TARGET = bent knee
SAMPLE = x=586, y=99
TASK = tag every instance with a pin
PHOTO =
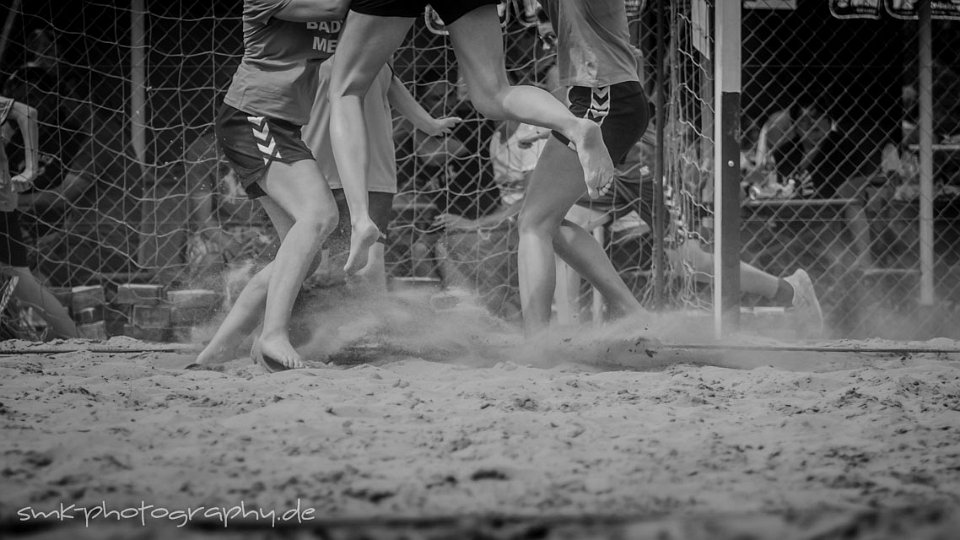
x=538, y=223
x=320, y=223
x=488, y=99
x=327, y=222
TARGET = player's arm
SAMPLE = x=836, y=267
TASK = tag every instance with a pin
x=73, y=185
x=817, y=135
x=403, y=101
x=503, y=213
x=76, y=181
x=313, y=10
x=771, y=136
x=26, y=119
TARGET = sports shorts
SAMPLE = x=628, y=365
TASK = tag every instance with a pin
x=621, y=109
x=448, y=10
x=251, y=143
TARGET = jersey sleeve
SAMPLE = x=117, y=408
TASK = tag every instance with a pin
x=261, y=11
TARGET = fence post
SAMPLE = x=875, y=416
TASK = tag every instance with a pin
x=7, y=27
x=138, y=80
x=926, y=153
x=726, y=169
x=658, y=206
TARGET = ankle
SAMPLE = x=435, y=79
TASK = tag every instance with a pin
x=273, y=336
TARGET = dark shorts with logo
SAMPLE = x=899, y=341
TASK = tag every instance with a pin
x=448, y=10
x=621, y=109
x=251, y=143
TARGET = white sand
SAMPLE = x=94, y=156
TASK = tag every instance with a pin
x=539, y=434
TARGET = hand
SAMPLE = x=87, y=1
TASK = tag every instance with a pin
x=537, y=134
x=454, y=222
x=442, y=126
x=527, y=142
x=23, y=181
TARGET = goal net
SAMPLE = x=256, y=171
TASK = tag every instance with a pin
x=134, y=189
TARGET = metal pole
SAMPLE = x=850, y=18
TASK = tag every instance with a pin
x=726, y=169
x=138, y=79
x=926, y=155
x=658, y=206
x=7, y=27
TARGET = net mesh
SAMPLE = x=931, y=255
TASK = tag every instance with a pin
x=114, y=207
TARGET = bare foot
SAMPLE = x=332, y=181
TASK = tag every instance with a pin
x=275, y=355
x=598, y=168
x=216, y=354
x=364, y=234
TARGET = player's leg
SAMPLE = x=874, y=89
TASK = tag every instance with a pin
x=581, y=251
x=857, y=220
x=795, y=291
x=31, y=292
x=555, y=185
x=373, y=276
x=365, y=45
x=299, y=190
x=478, y=43
x=752, y=279
x=247, y=310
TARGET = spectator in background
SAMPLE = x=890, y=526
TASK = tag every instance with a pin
x=214, y=198
x=374, y=30
x=456, y=176
x=84, y=209
x=60, y=138
x=387, y=93
x=13, y=253
x=807, y=148
x=633, y=188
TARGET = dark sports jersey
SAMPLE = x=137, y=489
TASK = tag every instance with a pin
x=593, y=42
x=277, y=77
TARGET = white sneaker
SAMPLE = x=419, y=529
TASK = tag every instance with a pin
x=806, y=307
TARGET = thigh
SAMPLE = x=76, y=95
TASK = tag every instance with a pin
x=251, y=144
x=366, y=43
x=478, y=43
x=299, y=190
x=281, y=220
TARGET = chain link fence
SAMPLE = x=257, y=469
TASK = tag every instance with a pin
x=164, y=208
x=830, y=138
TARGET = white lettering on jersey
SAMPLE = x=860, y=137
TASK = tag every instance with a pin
x=325, y=45
x=330, y=27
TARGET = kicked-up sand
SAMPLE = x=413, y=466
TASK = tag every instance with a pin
x=443, y=424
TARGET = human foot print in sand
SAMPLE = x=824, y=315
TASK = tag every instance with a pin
x=598, y=168
x=364, y=234
x=275, y=355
